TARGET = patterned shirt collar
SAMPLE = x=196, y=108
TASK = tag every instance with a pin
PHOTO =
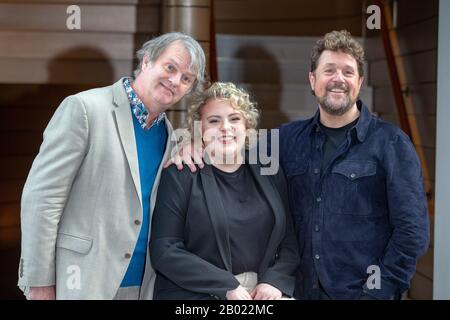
x=138, y=108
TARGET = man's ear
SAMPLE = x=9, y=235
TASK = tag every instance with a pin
x=145, y=62
x=361, y=81
x=312, y=80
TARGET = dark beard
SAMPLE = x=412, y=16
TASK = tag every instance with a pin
x=334, y=110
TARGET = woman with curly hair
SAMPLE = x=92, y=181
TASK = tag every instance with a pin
x=223, y=232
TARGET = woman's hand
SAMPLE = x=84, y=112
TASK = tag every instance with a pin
x=238, y=294
x=265, y=291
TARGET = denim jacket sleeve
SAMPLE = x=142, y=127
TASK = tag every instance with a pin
x=408, y=217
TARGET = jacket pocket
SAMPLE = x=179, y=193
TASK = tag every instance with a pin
x=74, y=243
x=353, y=169
x=355, y=186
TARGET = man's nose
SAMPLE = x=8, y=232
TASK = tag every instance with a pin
x=338, y=76
x=175, y=79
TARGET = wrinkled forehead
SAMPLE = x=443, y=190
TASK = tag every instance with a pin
x=177, y=53
x=337, y=58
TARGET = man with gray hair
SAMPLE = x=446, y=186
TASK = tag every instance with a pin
x=89, y=196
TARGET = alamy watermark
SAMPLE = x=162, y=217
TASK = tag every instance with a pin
x=374, y=20
x=73, y=21
x=73, y=281
x=374, y=280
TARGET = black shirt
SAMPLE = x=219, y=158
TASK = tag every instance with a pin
x=250, y=218
x=335, y=137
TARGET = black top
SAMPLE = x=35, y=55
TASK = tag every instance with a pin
x=335, y=137
x=250, y=218
x=190, y=242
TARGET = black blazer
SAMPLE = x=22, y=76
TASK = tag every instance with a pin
x=189, y=244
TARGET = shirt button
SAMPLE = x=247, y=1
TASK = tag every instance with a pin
x=316, y=171
x=319, y=199
x=317, y=257
x=316, y=228
x=137, y=222
x=127, y=256
x=353, y=176
x=317, y=147
x=315, y=285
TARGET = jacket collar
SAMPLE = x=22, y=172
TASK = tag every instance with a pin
x=361, y=127
x=124, y=122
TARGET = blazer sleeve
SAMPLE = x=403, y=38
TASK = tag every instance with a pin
x=281, y=274
x=47, y=188
x=169, y=254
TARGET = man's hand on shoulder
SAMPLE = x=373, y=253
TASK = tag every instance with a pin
x=189, y=155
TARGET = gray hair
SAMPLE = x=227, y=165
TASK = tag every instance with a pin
x=156, y=46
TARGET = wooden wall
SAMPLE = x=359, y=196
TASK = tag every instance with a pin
x=288, y=17
x=417, y=36
x=41, y=62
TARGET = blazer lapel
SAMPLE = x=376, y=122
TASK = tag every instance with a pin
x=126, y=132
x=217, y=214
x=167, y=154
x=273, y=198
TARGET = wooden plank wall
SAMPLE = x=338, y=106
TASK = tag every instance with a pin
x=41, y=62
x=287, y=17
x=417, y=35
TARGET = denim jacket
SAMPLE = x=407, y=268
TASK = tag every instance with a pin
x=363, y=223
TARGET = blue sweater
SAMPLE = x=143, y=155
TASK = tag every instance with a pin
x=150, y=149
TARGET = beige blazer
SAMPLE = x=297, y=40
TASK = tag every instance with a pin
x=81, y=204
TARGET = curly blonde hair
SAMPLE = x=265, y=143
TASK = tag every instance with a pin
x=225, y=91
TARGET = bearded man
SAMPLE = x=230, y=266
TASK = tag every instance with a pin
x=355, y=187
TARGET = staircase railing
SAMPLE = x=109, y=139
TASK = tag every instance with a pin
x=403, y=101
